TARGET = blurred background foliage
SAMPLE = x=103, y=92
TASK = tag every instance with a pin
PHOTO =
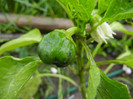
x=41, y=8
x=33, y=7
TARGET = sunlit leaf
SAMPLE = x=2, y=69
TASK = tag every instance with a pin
x=128, y=60
x=119, y=9
x=117, y=26
x=94, y=81
x=103, y=5
x=14, y=73
x=110, y=89
x=78, y=9
x=30, y=88
x=34, y=36
x=101, y=85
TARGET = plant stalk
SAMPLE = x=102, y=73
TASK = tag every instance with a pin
x=82, y=84
x=60, y=95
x=81, y=73
x=71, y=31
x=96, y=49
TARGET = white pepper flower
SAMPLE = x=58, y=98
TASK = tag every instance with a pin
x=102, y=33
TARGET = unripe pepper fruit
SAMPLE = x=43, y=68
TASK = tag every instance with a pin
x=56, y=48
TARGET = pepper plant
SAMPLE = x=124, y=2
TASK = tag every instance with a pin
x=63, y=47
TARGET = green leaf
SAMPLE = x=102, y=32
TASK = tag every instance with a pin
x=119, y=9
x=30, y=88
x=94, y=81
x=101, y=84
x=117, y=26
x=14, y=73
x=94, y=74
x=88, y=5
x=103, y=5
x=110, y=89
x=78, y=9
x=128, y=60
x=101, y=87
x=34, y=36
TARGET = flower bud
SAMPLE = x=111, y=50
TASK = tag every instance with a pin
x=127, y=69
x=54, y=70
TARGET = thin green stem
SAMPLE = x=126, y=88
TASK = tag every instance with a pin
x=60, y=95
x=96, y=49
x=81, y=72
x=71, y=31
x=93, y=54
x=82, y=84
x=68, y=85
x=109, y=68
x=119, y=57
x=90, y=40
x=89, y=56
x=59, y=76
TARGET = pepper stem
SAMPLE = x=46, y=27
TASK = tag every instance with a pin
x=71, y=31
